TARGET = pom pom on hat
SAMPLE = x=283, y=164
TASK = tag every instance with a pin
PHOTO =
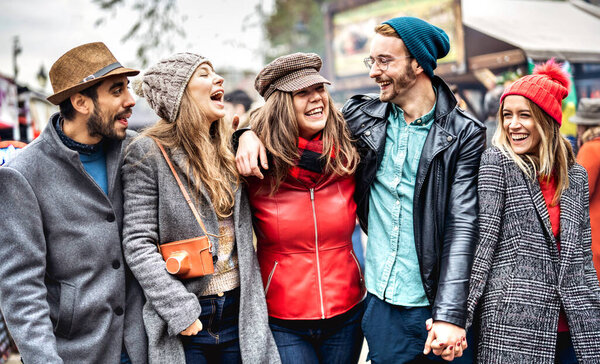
x=547, y=86
x=554, y=71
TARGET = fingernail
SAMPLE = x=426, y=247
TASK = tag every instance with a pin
x=451, y=347
x=464, y=339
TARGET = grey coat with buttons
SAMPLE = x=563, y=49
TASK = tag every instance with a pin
x=157, y=212
x=65, y=291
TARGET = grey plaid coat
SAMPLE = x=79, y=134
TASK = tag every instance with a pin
x=519, y=280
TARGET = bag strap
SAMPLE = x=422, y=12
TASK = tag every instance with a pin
x=185, y=194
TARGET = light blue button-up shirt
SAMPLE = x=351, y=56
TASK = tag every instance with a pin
x=391, y=265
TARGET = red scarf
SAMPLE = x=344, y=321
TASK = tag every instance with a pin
x=309, y=168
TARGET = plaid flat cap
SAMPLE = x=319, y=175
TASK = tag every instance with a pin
x=289, y=73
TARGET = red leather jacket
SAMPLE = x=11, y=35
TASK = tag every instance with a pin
x=304, y=235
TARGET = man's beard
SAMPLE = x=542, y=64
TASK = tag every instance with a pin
x=99, y=125
x=399, y=84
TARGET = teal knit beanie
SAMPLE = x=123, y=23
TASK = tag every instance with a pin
x=426, y=42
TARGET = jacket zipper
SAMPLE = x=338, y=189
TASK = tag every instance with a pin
x=270, y=277
x=357, y=265
x=312, y=201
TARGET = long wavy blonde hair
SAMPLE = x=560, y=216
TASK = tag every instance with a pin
x=553, y=154
x=276, y=125
x=207, y=148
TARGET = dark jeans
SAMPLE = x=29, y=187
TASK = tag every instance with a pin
x=397, y=334
x=565, y=353
x=218, y=342
x=330, y=341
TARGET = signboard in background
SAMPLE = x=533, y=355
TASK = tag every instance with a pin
x=353, y=28
x=9, y=104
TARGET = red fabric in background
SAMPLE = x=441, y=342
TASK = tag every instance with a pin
x=548, y=190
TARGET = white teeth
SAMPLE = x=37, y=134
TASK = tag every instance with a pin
x=217, y=95
x=318, y=110
x=385, y=83
x=519, y=136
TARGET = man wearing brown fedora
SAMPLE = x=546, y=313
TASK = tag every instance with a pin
x=65, y=291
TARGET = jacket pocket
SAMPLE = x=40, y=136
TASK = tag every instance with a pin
x=360, y=274
x=270, y=277
x=61, y=299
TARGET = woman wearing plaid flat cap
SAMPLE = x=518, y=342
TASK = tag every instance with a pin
x=534, y=296
x=304, y=215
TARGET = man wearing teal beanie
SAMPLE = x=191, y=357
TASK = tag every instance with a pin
x=416, y=195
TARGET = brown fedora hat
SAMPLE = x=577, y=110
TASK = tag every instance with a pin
x=83, y=67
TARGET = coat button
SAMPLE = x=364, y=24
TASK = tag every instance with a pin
x=449, y=138
x=362, y=125
x=119, y=311
x=368, y=133
x=110, y=217
x=116, y=264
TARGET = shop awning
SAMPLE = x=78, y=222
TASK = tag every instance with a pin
x=542, y=29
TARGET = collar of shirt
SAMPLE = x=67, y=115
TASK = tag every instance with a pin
x=397, y=115
x=87, y=149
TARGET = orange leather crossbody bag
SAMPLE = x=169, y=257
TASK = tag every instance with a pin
x=189, y=258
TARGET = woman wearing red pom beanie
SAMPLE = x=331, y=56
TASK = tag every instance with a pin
x=534, y=295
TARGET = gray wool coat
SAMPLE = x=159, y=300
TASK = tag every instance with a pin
x=520, y=280
x=156, y=211
x=65, y=291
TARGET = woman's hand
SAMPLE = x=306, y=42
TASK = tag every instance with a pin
x=193, y=329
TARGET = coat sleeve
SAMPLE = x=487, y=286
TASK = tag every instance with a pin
x=460, y=234
x=22, y=270
x=491, y=190
x=168, y=296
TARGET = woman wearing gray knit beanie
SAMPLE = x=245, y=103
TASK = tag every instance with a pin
x=219, y=317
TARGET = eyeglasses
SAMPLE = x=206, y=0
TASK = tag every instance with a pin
x=382, y=62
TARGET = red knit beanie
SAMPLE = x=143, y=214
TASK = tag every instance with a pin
x=547, y=86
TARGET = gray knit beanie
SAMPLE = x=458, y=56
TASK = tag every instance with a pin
x=164, y=83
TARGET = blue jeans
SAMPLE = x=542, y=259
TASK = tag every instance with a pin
x=337, y=340
x=565, y=353
x=397, y=334
x=218, y=342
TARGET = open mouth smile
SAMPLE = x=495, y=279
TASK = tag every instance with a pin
x=315, y=113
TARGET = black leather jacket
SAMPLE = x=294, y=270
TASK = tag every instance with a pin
x=445, y=200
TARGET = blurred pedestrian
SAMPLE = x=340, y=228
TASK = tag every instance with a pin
x=215, y=318
x=238, y=103
x=587, y=119
x=65, y=292
x=534, y=295
x=312, y=278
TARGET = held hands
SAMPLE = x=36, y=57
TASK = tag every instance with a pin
x=250, y=149
x=445, y=339
x=193, y=329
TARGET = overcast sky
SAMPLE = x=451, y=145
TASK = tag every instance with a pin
x=48, y=28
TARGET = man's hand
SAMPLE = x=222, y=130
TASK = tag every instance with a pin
x=193, y=329
x=250, y=149
x=445, y=339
